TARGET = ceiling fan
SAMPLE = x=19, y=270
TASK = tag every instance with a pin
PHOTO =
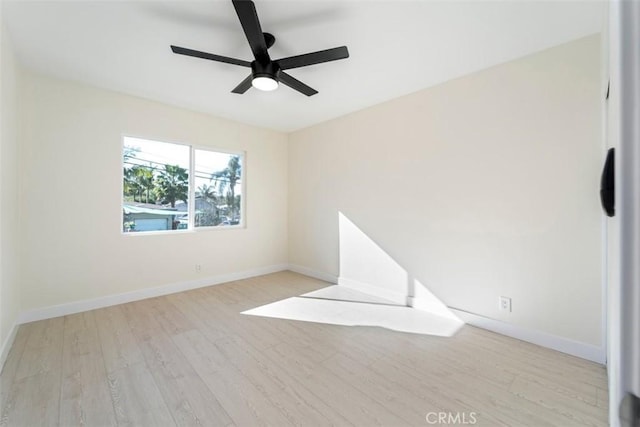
x=265, y=72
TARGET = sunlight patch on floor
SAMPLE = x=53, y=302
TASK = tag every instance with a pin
x=337, y=305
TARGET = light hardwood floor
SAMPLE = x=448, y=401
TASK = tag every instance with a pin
x=192, y=359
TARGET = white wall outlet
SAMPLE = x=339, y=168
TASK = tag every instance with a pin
x=198, y=268
x=505, y=304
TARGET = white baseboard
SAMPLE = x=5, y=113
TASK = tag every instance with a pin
x=313, y=273
x=564, y=345
x=109, y=300
x=397, y=297
x=6, y=345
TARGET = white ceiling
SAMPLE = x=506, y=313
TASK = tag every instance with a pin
x=396, y=47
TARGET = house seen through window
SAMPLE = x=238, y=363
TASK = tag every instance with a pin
x=170, y=186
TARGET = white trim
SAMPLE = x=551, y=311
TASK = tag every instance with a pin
x=565, y=345
x=614, y=125
x=605, y=92
x=313, y=273
x=397, y=297
x=191, y=192
x=6, y=346
x=626, y=348
x=109, y=300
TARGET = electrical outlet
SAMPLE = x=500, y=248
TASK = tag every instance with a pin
x=198, y=268
x=505, y=304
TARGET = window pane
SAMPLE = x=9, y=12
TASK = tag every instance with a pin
x=155, y=186
x=218, y=192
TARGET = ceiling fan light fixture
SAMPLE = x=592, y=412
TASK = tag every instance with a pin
x=264, y=83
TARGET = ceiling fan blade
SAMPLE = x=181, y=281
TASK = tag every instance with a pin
x=296, y=84
x=313, y=58
x=211, y=56
x=248, y=16
x=243, y=86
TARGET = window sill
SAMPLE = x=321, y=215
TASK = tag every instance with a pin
x=190, y=231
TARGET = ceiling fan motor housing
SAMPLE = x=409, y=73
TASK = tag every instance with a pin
x=270, y=70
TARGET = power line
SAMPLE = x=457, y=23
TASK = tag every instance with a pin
x=197, y=174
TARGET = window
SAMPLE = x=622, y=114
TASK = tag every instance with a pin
x=178, y=187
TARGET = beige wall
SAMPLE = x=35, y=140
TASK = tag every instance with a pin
x=9, y=219
x=480, y=187
x=71, y=186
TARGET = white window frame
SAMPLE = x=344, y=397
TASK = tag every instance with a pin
x=191, y=228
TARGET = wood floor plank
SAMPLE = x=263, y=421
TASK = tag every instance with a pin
x=560, y=375
x=602, y=397
x=571, y=409
x=386, y=392
x=538, y=359
x=43, y=350
x=487, y=404
x=172, y=320
x=11, y=366
x=188, y=398
x=246, y=405
x=34, y=395
x=119, y=346
x=85, y=388
x=136, y=398
x=292, y=399
x=335, y=391
x=205, y=320
x=34, y=401
x=141, y=319
x=235, y=324
x=412, y=350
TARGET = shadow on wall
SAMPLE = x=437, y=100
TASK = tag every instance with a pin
x=373, y=290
